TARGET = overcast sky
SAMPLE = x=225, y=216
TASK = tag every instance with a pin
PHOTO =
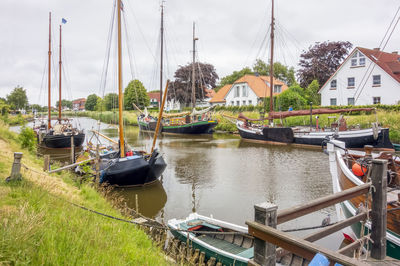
x=230, y=36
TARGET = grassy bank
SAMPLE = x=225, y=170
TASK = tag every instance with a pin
x=39, y=226
x=110, y=117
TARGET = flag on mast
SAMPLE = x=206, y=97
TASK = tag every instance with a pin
x=63, y=20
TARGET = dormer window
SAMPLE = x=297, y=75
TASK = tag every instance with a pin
x=358, y=59
x=333, y=84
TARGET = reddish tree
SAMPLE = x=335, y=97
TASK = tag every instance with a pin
x=181, y=88
x=321, y=61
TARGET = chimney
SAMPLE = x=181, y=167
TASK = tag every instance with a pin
x=395, y=52
x=377, y=49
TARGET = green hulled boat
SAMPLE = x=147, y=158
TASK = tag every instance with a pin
x=233, y=248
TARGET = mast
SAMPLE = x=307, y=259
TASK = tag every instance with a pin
x=161, y=54
x=271, y=71
x=120, y=120
x=59, y=83
x=49, y=79
x=193, y=68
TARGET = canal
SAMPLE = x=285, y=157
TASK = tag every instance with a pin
x=223, y=176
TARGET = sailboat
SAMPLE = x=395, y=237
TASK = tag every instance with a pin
x=308, y=135
x=195, y=122
x=62, y=133
x=130, y=168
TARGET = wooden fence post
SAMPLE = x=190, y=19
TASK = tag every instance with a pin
x=379, y=208
x=72, y=149
x=264, y=252
x=46, y=162
x=16, y=167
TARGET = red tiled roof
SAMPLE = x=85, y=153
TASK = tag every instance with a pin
x=220, y=95
x=154, y=95
x=259, y=84
x=80, y=100
x=389, y=62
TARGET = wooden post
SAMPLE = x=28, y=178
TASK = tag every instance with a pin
x=97, y=163
x=46, y=165
x=72, y=150
x=379, y=209
x=265, y=214
x=16, y=167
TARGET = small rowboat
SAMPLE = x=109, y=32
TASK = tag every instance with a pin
x=230, y=244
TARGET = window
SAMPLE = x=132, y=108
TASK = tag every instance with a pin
x=376, y=80
x=350, y=101
x=351, y=82
x=232, y=103
x=333, y=101
x=358, y=59
x=237, y=91
x=244, y=102
x=333, y=84
x=376, y=100
x=277, y=88
x=238, y=103
x=250, y=103
x=245, y=92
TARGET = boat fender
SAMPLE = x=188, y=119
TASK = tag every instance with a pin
x=358, y=170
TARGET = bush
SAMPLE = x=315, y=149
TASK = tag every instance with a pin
x=27, y=138
x=290, y=98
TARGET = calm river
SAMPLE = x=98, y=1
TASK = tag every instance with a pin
x=223, y=176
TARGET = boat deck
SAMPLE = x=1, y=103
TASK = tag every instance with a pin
x=224, y=245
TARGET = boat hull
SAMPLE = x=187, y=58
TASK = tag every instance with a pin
x=201, y=127
x=226, y=258
x=343, y=178
x=352, y=138
x=62, y=141
x=132, y=171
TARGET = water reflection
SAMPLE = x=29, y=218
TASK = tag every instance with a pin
x=148, y=200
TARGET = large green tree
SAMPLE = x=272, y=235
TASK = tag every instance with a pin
x=136, y=93
x=111, y=101
x=65, y=103
x=312, y=93
x=17, y=98
x=91, y=102
x=281, y=72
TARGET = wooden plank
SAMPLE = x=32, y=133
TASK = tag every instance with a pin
x=296, y=245
x=320, y=203
x=71, y=165
x=327, y=231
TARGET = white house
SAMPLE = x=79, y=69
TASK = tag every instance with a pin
x=248, y=90
x=365, y=77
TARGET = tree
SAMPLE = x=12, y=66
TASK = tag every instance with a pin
x=100, y=105
x=290, y=98
x=321, y=61
x=181, y=88
x=65, y=103
x=91, y=101
x=281, y=72
x=4, y=107
x=233, y=77
x=38, y=108
x=136, y=93
x=17, y=98
x=312, y=93
x=111, y=101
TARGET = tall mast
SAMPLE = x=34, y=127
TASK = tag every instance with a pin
x=193, y=68
x=59, y=82
x=271, y=64
x=120, y=120
x=161, y=54
x=49, y=79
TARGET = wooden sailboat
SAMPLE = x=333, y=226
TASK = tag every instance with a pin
x=130, y=168
x=354, y=138
x=195, y=122
x=345, y=175
x=60, y=134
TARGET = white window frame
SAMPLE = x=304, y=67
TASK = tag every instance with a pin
x=333, y=87
x=348, y=82
x=250, y=102
x=378, y=98
x=334, y=100
x=348, y=101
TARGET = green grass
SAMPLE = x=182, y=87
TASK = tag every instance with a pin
x=39, y=226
